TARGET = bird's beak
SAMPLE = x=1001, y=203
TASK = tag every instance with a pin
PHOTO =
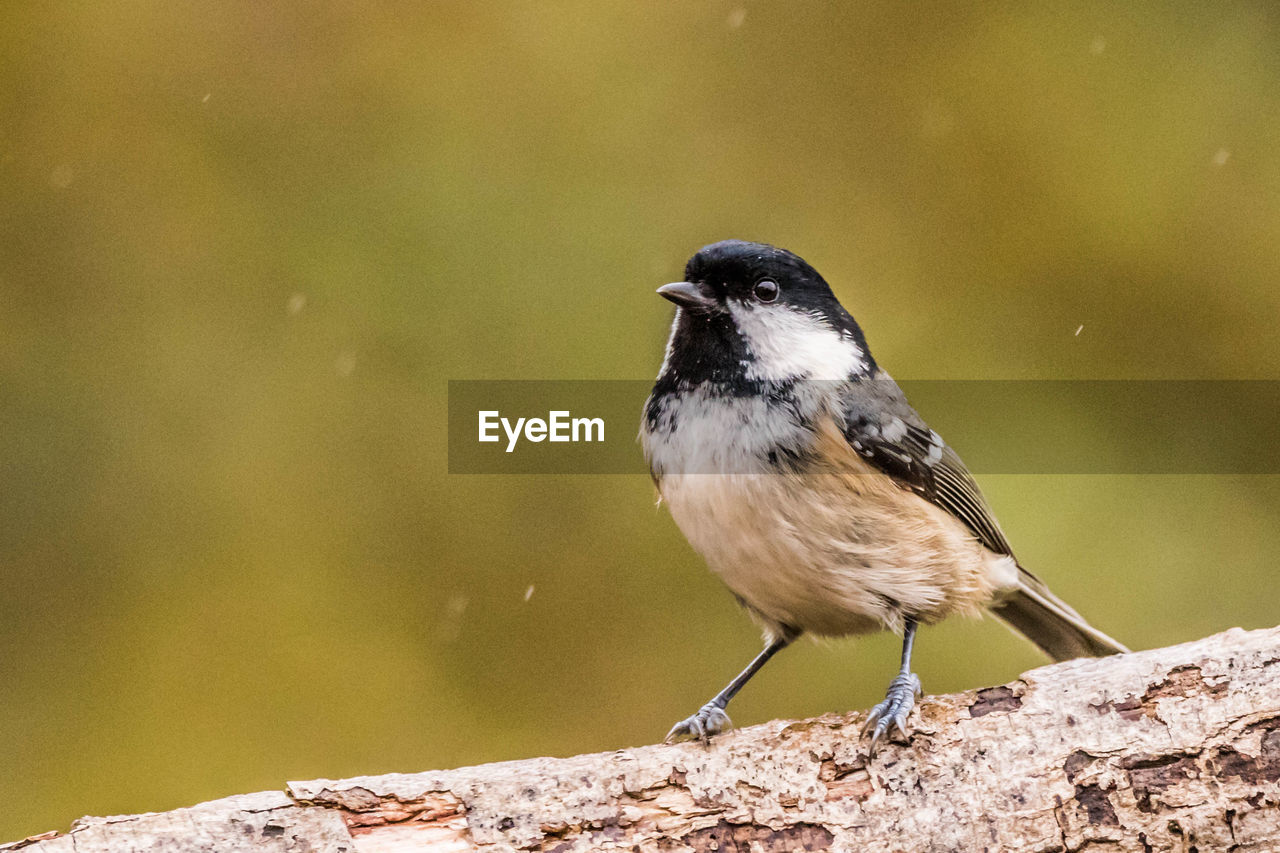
x=687, y=294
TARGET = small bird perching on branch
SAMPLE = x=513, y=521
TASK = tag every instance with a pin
x=794, y=465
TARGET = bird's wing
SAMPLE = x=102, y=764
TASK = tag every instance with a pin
x=884, y=430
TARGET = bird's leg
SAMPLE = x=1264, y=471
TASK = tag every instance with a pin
x=901, y=698
x=711, y=718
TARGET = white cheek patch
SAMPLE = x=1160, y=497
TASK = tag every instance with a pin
x=790, y=344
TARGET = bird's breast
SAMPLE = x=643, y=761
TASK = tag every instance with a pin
x=828, y=545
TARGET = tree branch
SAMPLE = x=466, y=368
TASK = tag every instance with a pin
x=1169, y=749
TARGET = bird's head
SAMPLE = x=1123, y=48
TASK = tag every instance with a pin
x=749, y=311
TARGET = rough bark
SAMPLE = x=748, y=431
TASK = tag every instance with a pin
x=1170, y=749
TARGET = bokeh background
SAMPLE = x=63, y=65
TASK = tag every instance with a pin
x=244, y=245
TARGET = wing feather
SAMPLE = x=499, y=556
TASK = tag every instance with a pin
x=883, y=428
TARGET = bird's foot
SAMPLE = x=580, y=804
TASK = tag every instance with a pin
x=894, y=710
x=710, y=720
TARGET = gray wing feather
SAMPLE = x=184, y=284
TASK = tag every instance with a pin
x=883, y=428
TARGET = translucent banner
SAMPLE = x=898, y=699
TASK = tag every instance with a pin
x=996, y=426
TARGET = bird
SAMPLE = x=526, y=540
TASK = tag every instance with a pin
x=794, y=465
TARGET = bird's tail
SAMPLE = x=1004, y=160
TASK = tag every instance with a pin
x=1050, y=623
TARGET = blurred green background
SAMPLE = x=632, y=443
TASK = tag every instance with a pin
x=244, y=245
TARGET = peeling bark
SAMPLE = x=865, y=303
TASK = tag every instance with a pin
x=1170, y=749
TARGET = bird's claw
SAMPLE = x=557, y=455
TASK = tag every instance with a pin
x=710, y=720
x=894, y=710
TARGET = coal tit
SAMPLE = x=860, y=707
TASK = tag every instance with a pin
x=794, y=465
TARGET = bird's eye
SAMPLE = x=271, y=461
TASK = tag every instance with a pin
x=766, y=290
